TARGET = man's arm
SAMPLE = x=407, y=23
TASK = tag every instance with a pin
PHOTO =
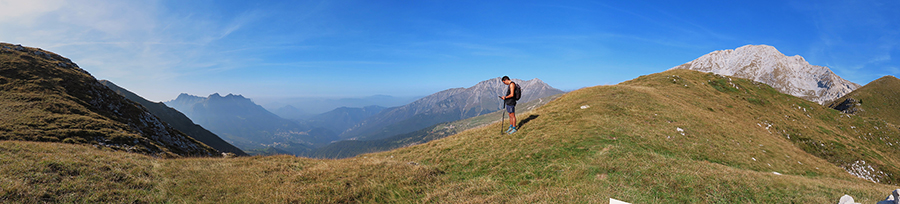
x=512, y=91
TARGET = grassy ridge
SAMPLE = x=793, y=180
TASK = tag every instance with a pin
x=626, y=144
x=46, y=97
x=879, y=99
x=629, y=133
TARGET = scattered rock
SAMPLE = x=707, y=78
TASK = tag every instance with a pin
x=846, y=199
x=585, y=106
x=228, y=155
x=849, y=106
x=865, y=171
x=614, y=201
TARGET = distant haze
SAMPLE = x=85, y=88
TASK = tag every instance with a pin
x=308, y=106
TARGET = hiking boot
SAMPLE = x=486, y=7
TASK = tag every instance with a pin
x=511, y=128
x=511, y=131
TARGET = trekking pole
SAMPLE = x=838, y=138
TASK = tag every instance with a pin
x=501, y=116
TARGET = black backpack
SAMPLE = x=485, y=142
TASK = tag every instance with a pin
x=518, y=92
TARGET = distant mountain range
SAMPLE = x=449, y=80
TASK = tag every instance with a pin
x=444, y=106
x=306, y=107
x=177, y=120
x=46, y=97
x=343, y=118
x=249, y=126
x=789, y=75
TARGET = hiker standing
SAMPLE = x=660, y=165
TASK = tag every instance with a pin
x=513, y=93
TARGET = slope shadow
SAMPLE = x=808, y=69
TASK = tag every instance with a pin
x=526, y=120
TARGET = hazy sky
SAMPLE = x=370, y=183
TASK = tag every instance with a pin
x=339, y=48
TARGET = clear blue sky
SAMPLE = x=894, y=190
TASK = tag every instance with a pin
x=339, y=48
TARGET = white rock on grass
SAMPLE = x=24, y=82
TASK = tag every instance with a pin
x=585, y=106
x=614, y=201
x=846, y=199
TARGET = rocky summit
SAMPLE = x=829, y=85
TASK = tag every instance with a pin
x=787, y=74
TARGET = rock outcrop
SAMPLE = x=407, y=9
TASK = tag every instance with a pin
x=790, y=75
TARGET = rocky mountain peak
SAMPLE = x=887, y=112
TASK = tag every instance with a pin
x=763, y=63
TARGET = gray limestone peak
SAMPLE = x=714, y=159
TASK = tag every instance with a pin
x=787, y=74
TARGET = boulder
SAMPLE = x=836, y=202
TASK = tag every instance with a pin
x=849, y=106
x=846, y=199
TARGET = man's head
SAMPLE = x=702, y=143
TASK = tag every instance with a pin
x=505, y=80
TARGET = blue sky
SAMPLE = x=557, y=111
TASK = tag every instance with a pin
x=339, y=48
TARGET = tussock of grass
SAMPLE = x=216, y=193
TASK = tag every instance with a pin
x=625, y=145
x=33, y=172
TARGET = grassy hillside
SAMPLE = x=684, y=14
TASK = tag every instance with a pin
x=878, y=99
x=46, y=97
x=678, y=136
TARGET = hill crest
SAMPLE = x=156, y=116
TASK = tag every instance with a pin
x=879, y=99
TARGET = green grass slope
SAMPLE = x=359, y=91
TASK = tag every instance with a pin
x=678, y=136
x=878, y=99
x=46, y=97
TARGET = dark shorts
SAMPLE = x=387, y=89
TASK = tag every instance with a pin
x=510, y=109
